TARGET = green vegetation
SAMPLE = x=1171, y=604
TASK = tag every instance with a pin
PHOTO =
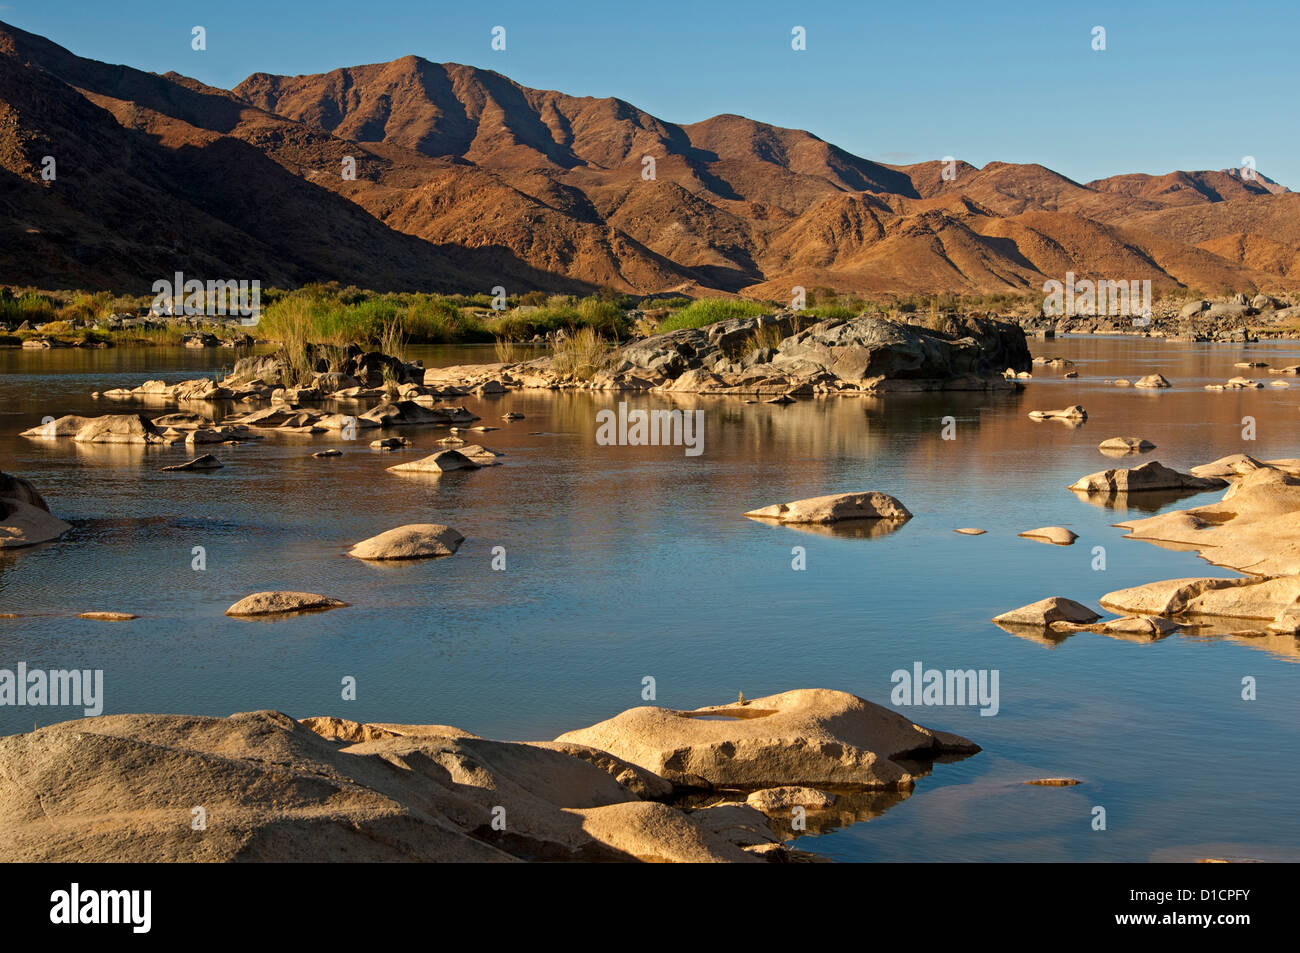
x=562, y=312
x=581, y=354
x=708, y=311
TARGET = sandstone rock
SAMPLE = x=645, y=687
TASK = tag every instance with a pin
x=1145, y=477
x=1255, y=528
x=66, y=426
x=1051, y=534
x=1069, y=413
x=1252, y=598
x=1152, y=380
x=970, y=531
x=25, y=519
x=809, y=737
x=107, y=616
x=282, y=601
x=1046, y=611
x=441, y=462
x=205, y=462
x=1125, y=445
x=286, y=793
x=773, y=800
x=834, y=508
x=1193, y=308
x=413, y=541
x=119, y=428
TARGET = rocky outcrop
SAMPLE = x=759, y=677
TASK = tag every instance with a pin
x=810, y=737
x=1148, y=476
x=121, y=428
x=835, y=508
x=1072, y=413
x=282, y=602
x=413, y=541
x=444, y=461
x=25, y=519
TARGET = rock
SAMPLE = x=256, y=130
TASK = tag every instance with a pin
x=328, y=453
x=107, y=616
x=205, y=462
x=512, y=416
x=441, y=462
x=970, y=531
x=120, y=428
x=1193, y=308
x=1255, y=528
x=25, y=519
x=284, y=793
x=281, y=602
x=413, y=541
x=482, y=455
x=780, y=399
x=1122, y=382
x=1152, y=380
x=390, y=443
x=1054, y=782
x=1253, y=598
x=774, y=800
x=835, y=508
x=1046, y=611
x=1069, y=413
x=66, y=426
x=218, y=435
x=1051, y=534
x=808, y=737
x=1145, y=477
x=1251, y=364
x=1071, y=374
x=1121, y=446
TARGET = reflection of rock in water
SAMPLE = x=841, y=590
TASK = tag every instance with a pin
x=851, y=529
x=1146, y=501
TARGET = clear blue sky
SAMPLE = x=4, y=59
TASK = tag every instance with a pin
x=1181, y=85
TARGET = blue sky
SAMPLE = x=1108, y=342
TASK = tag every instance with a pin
x=1187, y=85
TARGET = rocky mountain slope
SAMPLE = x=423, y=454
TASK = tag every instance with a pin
x=466, y=180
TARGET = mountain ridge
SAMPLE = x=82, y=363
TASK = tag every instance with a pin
x=466, y=180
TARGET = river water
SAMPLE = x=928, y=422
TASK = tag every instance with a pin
x=625, y=562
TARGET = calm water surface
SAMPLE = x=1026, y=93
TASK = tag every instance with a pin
x=624, y=562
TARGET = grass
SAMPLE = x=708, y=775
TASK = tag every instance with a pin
x=562, y=313
x=510, y=352
x=708, y=311
x=581, y=354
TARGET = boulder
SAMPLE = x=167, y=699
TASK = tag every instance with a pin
x=441, y=462
x=808, y=737
x=1193, y=308
x=120, y=428
x=1152, y=380
x=413, y=541
x=781, y=800
x=66, y=426
x=206, y=462
x=1051, y=534
x=25, y=519
x=1069, y=413
x=1121, y=446
x=1145, y=477
x=1046, y=611
x=835, y=508
x=281, y=602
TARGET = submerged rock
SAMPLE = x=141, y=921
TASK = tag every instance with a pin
x=1120, y=446
x=835, y=508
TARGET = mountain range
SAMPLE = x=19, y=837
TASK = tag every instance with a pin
x=465, y=180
